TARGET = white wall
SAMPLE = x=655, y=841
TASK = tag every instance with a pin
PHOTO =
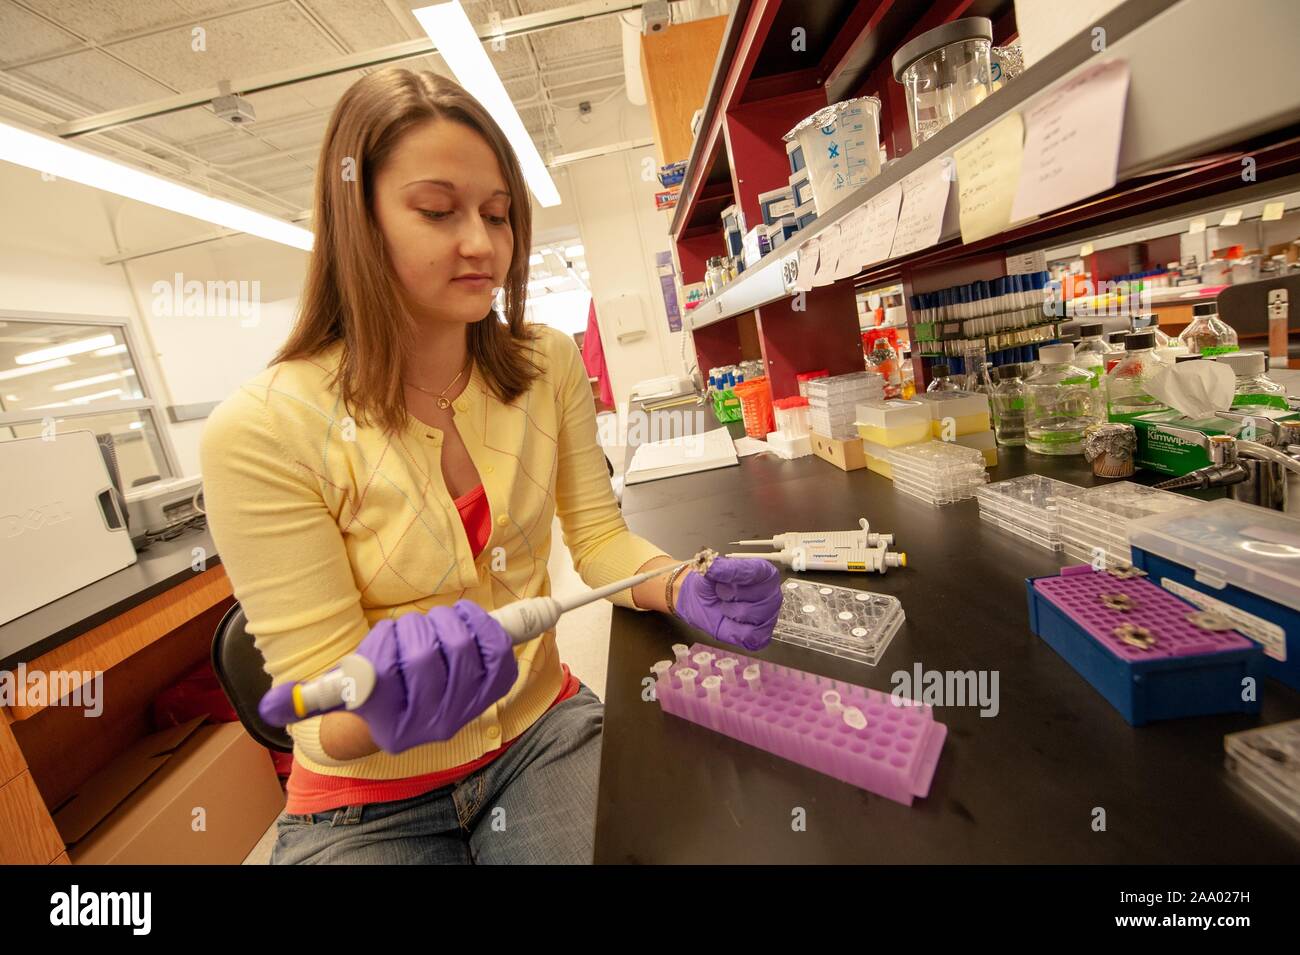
x=613, y=209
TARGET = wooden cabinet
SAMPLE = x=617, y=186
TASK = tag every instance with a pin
x=676, y=65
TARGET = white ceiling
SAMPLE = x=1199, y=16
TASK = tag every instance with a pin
x=62, y=60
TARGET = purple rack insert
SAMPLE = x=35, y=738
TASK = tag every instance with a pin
x=1077, y=593
x=894, y=756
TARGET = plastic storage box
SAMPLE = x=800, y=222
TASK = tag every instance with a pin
x=894, y=422
x=968, y=409
x=833, y=401
x=1238, y=560
x=1184, y=669
x=775, y=204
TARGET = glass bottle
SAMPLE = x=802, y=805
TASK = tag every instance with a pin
x=940, y=380
x=883, y=360
x=1162, y=340
x=1254, y=387
x=1126, y=392
x=1208, y=334
x=1091, y=350
x=1061, y=400
x=1008, y=403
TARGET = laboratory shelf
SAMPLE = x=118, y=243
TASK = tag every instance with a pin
x=1174, y=115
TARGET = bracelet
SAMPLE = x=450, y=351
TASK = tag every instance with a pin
x=668, y=589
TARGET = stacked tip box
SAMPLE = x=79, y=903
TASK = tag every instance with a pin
x=833, y=402
x=862, y=736
x=1150, y=654
x=937, y=471
x=1026, y=506
x=1094, y=522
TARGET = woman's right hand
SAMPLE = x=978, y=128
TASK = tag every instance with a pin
x=434, y=672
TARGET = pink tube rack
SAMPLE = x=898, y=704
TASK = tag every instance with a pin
x=894, y=755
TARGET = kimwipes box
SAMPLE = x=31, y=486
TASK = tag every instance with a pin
x=192, y=794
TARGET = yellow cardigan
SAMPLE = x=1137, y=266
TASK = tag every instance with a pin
x=325, y=528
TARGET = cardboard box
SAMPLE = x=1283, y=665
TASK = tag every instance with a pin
x=846, y=454
x=189, y=795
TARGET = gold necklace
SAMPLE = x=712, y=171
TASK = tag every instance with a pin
x=440, y=398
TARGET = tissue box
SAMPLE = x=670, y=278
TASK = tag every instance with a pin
x=1170, y=443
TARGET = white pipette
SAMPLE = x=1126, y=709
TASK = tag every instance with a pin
x=807, y=557
x=351, y=682
x=846, y=540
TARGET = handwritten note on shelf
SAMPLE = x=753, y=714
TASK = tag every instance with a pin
x=851, y=247
x=828, y=254
x=881, y=222
x=1072, y=141
x=988, y=170
x=925, y=197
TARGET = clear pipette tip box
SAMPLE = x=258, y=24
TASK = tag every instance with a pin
x=865, y=737
x=841, y=621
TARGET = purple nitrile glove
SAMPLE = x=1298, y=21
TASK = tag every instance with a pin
x=434, y=672
x=737, y=601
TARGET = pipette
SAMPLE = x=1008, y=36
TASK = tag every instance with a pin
x=351, y=682
x=861, y=560
x=851, y=540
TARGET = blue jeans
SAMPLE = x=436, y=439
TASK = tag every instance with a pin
x=535, y=803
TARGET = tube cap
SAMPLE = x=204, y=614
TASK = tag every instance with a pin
x=1245, y=362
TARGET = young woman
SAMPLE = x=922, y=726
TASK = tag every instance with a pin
x=392, y=476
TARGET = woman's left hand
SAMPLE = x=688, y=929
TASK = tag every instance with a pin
x=737, y=601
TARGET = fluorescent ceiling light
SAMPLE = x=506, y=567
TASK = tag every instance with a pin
x=534, y=259
x=114, y=350
x=1231, y=218
x=35, y=369
x=83, y=399
x=62, y=351
x=458, y=43
x=93, y=380
x=574, y=251
x=1273, y=211
x=49, y=155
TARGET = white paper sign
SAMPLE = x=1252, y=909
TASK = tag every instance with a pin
x=828, y=255
x=925, y=197
x=851, y=248
x=1072, y=141
x=877, y=233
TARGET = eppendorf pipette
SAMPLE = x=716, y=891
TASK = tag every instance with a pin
x=862, y=551
x=352, y=681
x=852, y=540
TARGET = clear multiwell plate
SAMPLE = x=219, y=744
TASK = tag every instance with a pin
x=1122, y=501
x=1031, y=497
x=1020, y=530
x=852, y=624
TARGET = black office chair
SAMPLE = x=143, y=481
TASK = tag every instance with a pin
x=238, y=665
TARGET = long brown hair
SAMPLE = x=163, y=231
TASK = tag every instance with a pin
x=350, y=294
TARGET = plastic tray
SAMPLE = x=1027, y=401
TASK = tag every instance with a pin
x=852, y=624
x=1122, y=500
x=1268, y=760
x=1187, y=671
x=1020, y=530
x=894, y=755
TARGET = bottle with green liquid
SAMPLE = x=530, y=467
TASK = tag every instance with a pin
x=1061, y=400
x=1254, y=388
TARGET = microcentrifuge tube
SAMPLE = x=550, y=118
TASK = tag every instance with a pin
x=713, y=687
x=832, y=700
x=751, y=677
x=660, y=668
x=727, y=667
x=687, y=676
x=703, y=662
x=680, y=650
x=855, y=717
